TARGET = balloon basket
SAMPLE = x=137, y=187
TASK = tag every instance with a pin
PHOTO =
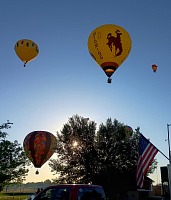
x=109, y=80
x=37, y=172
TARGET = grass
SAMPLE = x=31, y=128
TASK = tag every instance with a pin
x=14, y=196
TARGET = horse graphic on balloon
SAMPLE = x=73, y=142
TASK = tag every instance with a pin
x=115, y=42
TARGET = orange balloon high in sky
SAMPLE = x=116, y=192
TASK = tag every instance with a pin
x=109, y=45
x=154, y=67
x=39, y=147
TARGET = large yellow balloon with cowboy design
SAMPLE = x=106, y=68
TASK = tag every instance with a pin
x=109, y=45
x=26, y=50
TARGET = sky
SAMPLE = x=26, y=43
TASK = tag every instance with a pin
x=64, y=80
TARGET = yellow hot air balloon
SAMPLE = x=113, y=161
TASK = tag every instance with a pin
x=109, y=45
x=26, y=50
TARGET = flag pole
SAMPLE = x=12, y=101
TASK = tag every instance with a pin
x=144, y=145
x=162, y=152
x=169, y=165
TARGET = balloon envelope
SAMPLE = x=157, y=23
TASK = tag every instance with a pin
x=129, y=131
x=154, y=67
x=109, y=45
x=26, y=50
x=39, y=147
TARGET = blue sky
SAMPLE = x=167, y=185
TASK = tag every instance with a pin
x=64, y=80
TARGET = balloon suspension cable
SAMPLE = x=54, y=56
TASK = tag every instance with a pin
x=25, y=63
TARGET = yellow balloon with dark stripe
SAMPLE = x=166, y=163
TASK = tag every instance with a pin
x=109, y=45
x=26, y=50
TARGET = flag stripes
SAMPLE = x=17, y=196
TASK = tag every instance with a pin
x=147, y=152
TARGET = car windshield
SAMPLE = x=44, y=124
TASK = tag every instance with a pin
x=88, y=193
x=58, y=193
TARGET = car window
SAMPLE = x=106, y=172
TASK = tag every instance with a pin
x=60, y=193
x=45, y=195
x=91, y=194
x=31, y=197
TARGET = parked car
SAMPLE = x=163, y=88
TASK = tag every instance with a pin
x=72, y=192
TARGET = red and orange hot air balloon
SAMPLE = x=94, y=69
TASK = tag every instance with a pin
x=39, y=147
x=154, y=67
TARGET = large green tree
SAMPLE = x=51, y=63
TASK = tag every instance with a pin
x=76, y=154
x=107, y=156
x=13, y=160
x=117, y=149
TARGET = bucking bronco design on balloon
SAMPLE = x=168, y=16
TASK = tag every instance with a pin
x=115, y=42
x=109, y=45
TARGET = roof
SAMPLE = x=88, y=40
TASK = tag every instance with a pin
x=146, y=178
x=75, y=185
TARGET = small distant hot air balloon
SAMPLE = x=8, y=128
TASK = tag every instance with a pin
x=109, y=45
x=154, y=67
x=26, y=50
x=39, y=147
x=129, y=131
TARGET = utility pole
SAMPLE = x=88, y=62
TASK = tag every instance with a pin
x=169, y=165
x=168, y=138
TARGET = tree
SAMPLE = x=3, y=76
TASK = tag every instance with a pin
x=118, y=151
x=107, y=156
x=75, y=151
x=13, y=160
x=47, y=181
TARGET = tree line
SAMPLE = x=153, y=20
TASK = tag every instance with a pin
x=105, y=155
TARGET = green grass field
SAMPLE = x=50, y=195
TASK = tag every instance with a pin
x=15, y=196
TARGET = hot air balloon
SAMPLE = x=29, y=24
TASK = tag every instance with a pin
x=39, y=147
x=26, y=50
x=109, y=45
x=129, y=131
x=154, y=67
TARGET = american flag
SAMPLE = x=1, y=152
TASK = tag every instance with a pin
x=147, y=152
